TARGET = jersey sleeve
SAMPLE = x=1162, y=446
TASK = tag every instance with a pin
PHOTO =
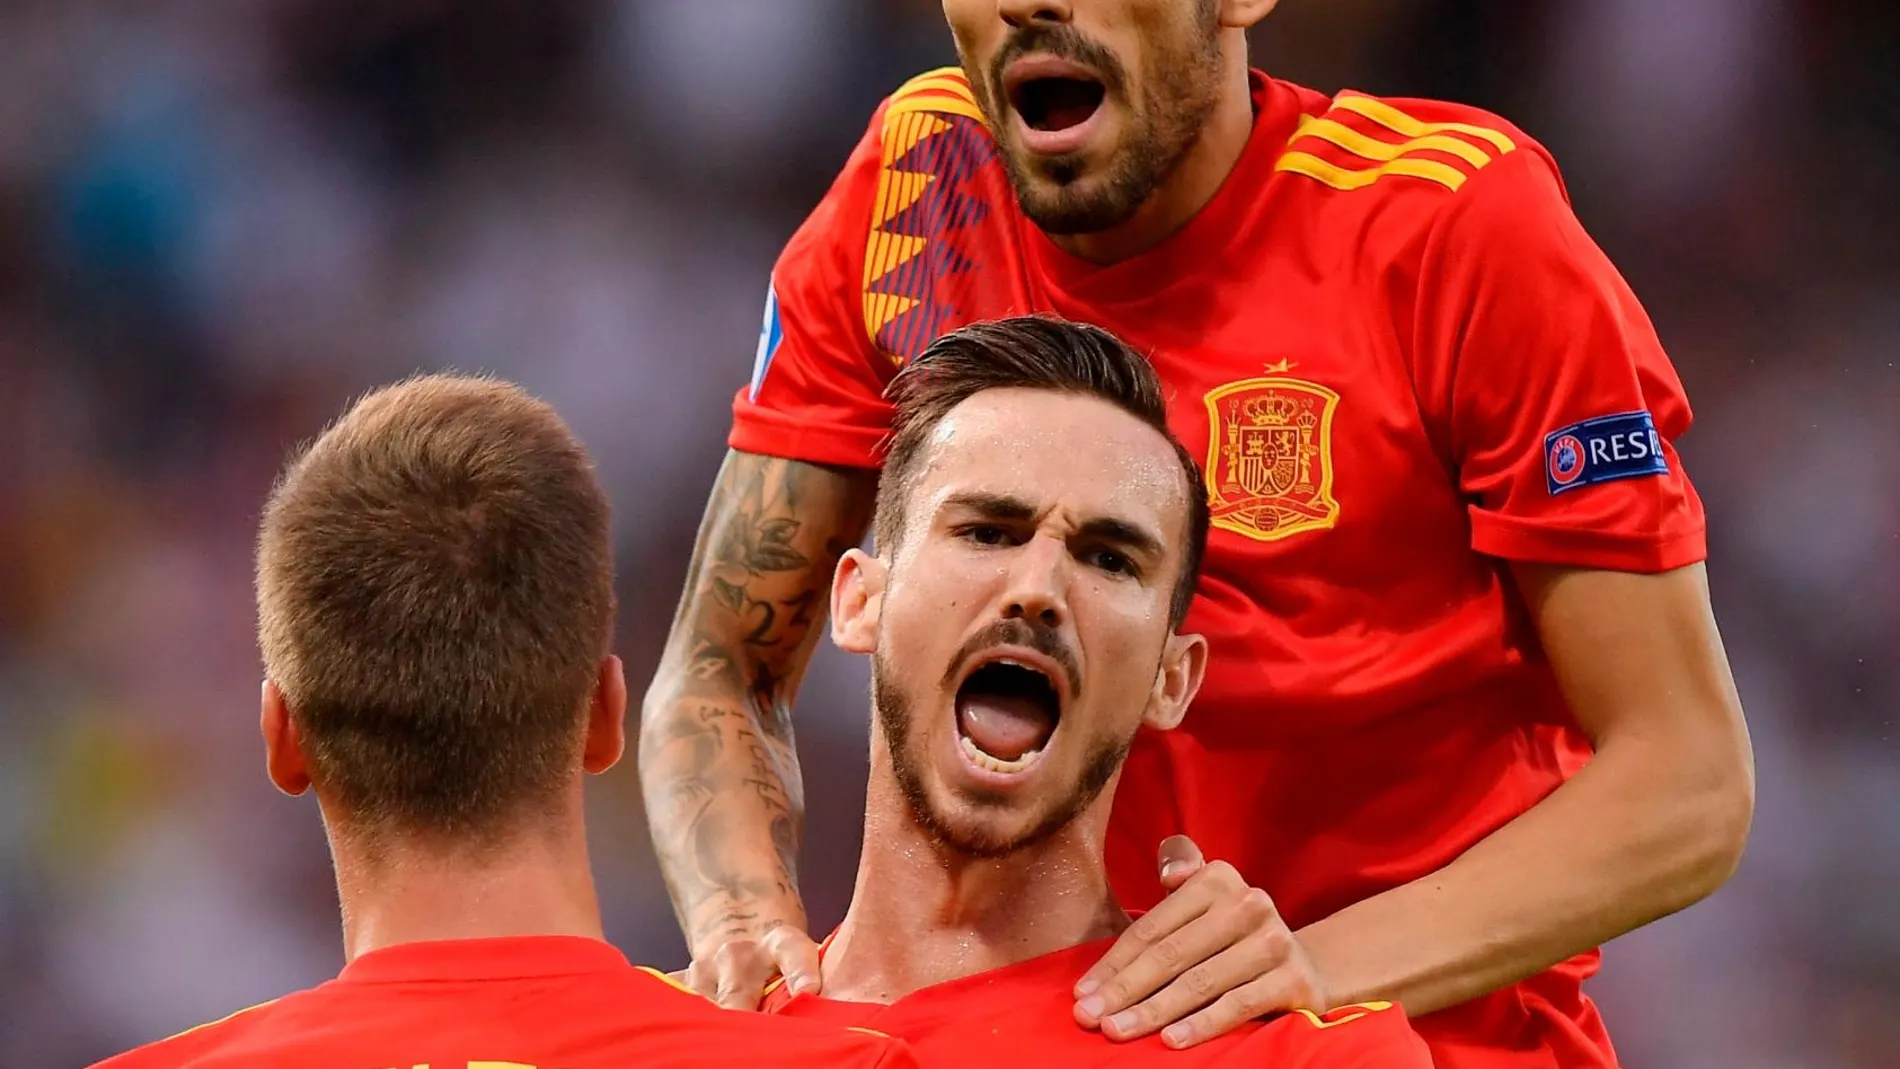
x=817, y=389
x=1548, y=385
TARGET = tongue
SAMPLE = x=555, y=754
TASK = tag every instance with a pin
x=1063, y=116
x=1003, y=726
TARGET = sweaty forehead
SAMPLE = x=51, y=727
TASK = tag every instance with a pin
x=1070, y=451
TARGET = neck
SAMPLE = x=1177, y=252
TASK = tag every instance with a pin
x=1193, y=182
x=413, y=890
x=923, y=914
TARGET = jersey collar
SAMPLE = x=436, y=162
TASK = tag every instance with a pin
x=511, y=958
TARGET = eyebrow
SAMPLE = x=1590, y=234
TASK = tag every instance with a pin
x=1126, y=535
x=1006, y=508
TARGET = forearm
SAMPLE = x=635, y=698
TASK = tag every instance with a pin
x=724, y=804
x=1636, y=835
x=718, y=766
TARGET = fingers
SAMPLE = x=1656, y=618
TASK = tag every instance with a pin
x=1174, y=958
x=1273, y=993
x=1179, y=859
x=736, y=974
x=739, y=970
x=1258, y=956
x=701, y=976
x=1196, y=896
x=795, y=956
x=1195, y=960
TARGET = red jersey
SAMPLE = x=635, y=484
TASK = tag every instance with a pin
x=552, y=1002
x=1401, y=361
x=1023, y=1015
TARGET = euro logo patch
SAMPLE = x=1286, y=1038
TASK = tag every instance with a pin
x=1601, y=450
x=771, y=335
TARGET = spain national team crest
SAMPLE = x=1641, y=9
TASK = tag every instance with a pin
x=1270, y=457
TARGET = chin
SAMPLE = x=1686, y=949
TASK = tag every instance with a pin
x=1067, y=196
x=1064, y=218
x=975, y=821
x=974, y=836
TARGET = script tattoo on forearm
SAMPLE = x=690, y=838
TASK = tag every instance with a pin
x=720, y=766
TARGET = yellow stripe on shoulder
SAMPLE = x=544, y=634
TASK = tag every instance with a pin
x=222, y=1020
x=867, y=1031
x=1341, y=178
x=1373, y=149
x=1400, y=123
x=669, y=981
x=1391, y=157
x=944, y=91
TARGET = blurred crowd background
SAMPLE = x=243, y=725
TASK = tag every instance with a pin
x=221, y=219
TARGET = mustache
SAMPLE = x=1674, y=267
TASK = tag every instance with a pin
x=1017, y=632
x=1061, y=41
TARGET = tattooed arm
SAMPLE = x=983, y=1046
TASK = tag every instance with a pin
x=717, y=764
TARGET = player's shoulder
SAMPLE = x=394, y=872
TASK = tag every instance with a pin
x=943, y=91
x=800, y=1043
x=196, y=1044
x=1376, y=149
x=787, y=1041
x=931, y=126
x=1371, y=1033
x=926, y=113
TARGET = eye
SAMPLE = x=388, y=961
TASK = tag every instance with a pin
x=985, y=534
x=1110, y=561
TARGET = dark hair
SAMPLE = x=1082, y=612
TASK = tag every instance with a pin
x=1037, y=353
x=434, y=598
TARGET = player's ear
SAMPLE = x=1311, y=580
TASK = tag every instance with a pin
x=283, y=748
x=1242, y=14
x=606, y=718
x=857, y=596
x=1183, y=665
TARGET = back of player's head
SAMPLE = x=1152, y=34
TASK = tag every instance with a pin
x=1036, y=353
x=435, y=599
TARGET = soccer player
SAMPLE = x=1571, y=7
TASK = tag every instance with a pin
x=1467, y=713
x=435, y=603
x=1038, y=535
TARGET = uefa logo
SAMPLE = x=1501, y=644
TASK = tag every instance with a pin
x=1566, y=460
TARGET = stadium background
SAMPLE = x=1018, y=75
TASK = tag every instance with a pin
x=220, y=219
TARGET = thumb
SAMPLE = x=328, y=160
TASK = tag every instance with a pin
x=1180, y=859
x=796, y=957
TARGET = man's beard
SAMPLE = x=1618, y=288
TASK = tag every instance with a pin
x=893, y=708
x=1175, y=108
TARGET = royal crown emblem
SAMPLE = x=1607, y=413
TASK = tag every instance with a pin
x=1270, y=457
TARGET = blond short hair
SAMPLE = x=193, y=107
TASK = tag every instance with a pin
x=434, y=599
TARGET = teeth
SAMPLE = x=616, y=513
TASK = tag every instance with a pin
x=994, y=763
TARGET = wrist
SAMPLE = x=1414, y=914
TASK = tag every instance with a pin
x=727, y=916
x=1336, y=985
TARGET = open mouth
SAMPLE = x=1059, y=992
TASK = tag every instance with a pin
x=1053, y=104
x=1052, y=96
x=1007, y=710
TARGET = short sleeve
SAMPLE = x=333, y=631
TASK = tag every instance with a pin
x=1548, y=384
x=817, y=389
